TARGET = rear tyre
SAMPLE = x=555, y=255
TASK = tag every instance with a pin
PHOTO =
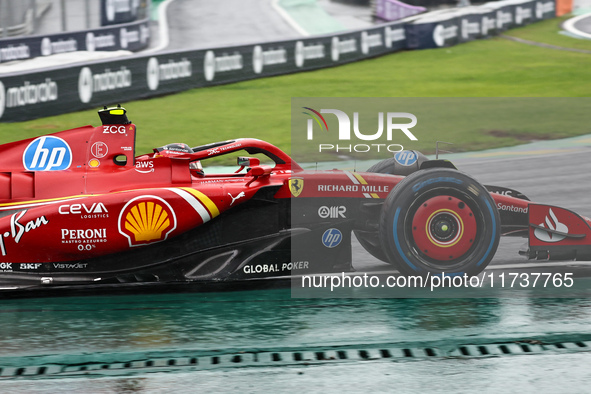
x=439, y=221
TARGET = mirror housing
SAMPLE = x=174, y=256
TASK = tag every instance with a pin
x=244, y=161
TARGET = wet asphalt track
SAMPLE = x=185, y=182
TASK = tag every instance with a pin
x=229, y=22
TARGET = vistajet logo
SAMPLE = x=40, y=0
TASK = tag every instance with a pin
x=344, y=130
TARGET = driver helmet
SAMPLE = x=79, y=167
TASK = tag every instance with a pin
x=196, y=167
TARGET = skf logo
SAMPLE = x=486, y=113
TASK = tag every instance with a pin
x=47, y=153
x=146, y=219
x=296, y=185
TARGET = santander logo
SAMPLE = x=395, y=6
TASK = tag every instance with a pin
x=552, y=223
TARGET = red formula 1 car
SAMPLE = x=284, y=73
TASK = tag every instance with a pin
x=79, y=208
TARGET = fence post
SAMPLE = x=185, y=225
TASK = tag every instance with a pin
x=3, y=18
x=63, y=6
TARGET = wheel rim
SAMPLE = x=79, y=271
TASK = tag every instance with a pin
x=444, y=229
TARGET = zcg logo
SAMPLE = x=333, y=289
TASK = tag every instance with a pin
x=47, y=153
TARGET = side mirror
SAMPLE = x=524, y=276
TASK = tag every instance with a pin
x=248, y=161
x=257, y=171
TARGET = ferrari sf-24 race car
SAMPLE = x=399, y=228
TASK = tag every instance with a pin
x=78, y=207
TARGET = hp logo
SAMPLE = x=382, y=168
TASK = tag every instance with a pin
x=406, y=157
x=332, y=238
x=47, y=154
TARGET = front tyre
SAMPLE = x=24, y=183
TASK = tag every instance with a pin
x=439, y=221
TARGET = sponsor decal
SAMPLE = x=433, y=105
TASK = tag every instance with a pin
x=296, y=186
x=334, y=212
x=369, y=41
x=266, y=268
x=392, y=35
x=18, y=52
x=115, y=129
x=69, y=266
x=90, y=211
x=127, y=37
x=224, y=63
x=219, y=181
x=503, y=18
x=94, y=163
x=262, y=58
x=487, y=24
x=6, y=267
x=406, y=158
x=469, y=28
x=511, y=208
x=47, y=153
x=99, y=42
x=219, y=149
x=84, y=238
x=305, y=52
x=144, y=34
x=353, y=188
x=28, y=94
x=240, y=195
x=441, y=34
x=552, y=223
x=168, y=71
x=543, y=8
x=504, y=192
x=332, y=238
x=338, y=47
x=107, y=80
x=62, y=46
x=521, y=14
x=144, y=167
x=113, y=7
x=17, y=229
x=146, y=219
x=99, y=149
x=29, y=266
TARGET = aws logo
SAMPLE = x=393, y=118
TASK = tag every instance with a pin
x=146, y=219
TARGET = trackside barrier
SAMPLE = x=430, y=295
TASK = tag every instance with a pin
x=133, y=36
x=53, y=91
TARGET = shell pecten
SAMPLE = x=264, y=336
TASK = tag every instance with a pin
x=146, y=221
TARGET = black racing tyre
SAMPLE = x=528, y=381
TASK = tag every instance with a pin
x=371, y=240
x=439, y=221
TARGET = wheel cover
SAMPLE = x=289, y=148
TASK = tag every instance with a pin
x=444, y=228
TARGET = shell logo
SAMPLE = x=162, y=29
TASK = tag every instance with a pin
x=146, y=219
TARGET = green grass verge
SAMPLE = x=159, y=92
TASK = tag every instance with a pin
x=548, y=32
x=261, y=108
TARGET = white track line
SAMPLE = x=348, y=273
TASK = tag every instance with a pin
x=569, y=26
x=163, y=39
x=290, y=21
